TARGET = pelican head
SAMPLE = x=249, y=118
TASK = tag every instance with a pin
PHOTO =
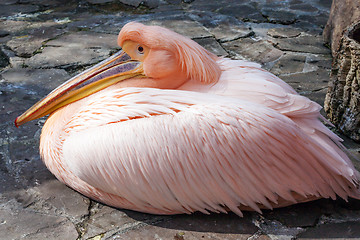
x=151, y=56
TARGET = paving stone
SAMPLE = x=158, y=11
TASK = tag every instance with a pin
x=303, y=7
x=212, y=45
x=279, y=16
x=223, y=27
x=276, y=230
x=253, y=49
x=48, y=79
x=99, y=1
x=243, y=12
x=4, y=60
x=22, y=224
x=289, y=63
x=307, y=44
x=26, y=45
x=284, y=32
x=301, y=215
x=107, y=219
x=13, y=27
x=3, y=33
x=192, y=30
x=8, y=2
x=309, y=81
x=9, y=10
x=82, y=48
x=345, y=230
x=49, y=200
x=325, y=3
x=214, y=226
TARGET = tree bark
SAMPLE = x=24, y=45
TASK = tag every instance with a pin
x=342, y=102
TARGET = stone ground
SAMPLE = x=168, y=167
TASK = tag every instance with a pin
x=43, y=43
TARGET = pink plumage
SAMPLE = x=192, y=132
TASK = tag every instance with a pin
x=198, y=133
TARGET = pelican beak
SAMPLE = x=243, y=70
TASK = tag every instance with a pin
x=116, y=68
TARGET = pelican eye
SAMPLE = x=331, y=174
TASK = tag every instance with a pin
x=140, y=50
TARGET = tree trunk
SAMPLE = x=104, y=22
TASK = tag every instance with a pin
x=342, y=102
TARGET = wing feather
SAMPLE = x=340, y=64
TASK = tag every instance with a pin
x=185, y=152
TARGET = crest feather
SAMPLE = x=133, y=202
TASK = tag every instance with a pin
x=198, y=63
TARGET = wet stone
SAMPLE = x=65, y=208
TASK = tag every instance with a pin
x=309, y=80
x=279, y=16
x=214, y=226
x=47, y=79
x=303, y=7
x=100, y=1
x=74, y=50
x=4, y=60
x=254, y=50
x=3, y=33
x=14, y=27
x=243, y=12
x=107, y=219
x=289, y=63
x=192, y=30
x=227, y=32
x=306, y=44
x=26, y=45
x=345, y=230
x=19, y=223
x=211, y=45
x=303, y=215
x=284, y=32
x=7, y=11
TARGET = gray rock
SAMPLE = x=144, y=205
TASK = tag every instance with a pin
x=193, y=29
x=309, y=81
x=344, y=230
x=279, y=16
x=74, y=50
x=26, y=45
x=224, y=28
x=284, y=32
x=215, y=226
x=44, y=78
x=8, y=2
x=254, y=50
x=100, y=1
x=20, y=223
x=225, y=32
x=243, y=12
x=303, y=43
x=14, y=27
x=134, y=3
x=107, y=219
x=4, y=33
x=11, y=10
x=302, y=215
x=4, y=60
x=303, y=7
x=55, y=198
x=289, y=63
x=212, y=45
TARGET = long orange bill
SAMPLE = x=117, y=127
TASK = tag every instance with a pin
x=108, y=72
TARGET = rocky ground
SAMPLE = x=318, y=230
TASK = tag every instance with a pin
x=43, y=43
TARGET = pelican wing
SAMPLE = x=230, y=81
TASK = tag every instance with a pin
x=185, y=151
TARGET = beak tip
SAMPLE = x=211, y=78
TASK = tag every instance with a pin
x=16, y=122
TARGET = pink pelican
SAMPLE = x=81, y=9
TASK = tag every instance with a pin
x=166, y=127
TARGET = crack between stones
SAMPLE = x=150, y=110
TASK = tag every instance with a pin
x=82, y=226
x=136, y=225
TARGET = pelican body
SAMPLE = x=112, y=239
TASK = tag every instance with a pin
x=166, y=127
